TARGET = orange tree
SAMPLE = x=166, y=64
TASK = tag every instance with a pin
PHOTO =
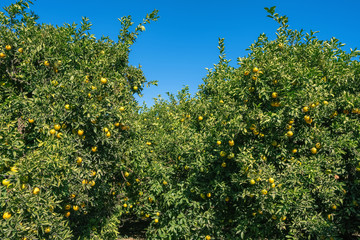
x=269, y=149
x=66, y=105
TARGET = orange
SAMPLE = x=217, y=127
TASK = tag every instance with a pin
x=231, y=143
x=274, y=95
x=313, y=150
x=6, y=215
x=36, y=190
x=200, y=118
x=80, y=132
x=135, y=88
x=57, y=127
x=46, y=63
x=79, y=160
x=2, y=55
x=8, y=47
x=255, y=69
x=6, y=182
x=252, y=182
x=271, y=180
x=103, y=80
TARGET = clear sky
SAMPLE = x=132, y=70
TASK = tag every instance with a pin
x=177, y=48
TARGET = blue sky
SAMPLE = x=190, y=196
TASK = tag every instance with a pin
x=177, y=48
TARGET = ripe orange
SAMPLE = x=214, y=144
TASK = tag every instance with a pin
x=46, y=63
x=103, y=80
x=6, y=215
x=252, y=182
x=126, y=174
x=271, y=180
x=135, y=88
x=218, y=142
x=200, y=118
x=231, y=143
x=67, y=106
x=274, y=95
x=294, y=150
x=57, y=127
x=47, y=230
x=246, y=73
x=79, y=161
x=20, y=50
x=36, y=190
x=92, y=183
x=31, y=120
x=122, y=109
x=313, y=150
x=255, y=69
x=289, y=134
x=8, y=47
x=207, y=237
x=76, y=208
x=208, y=195
x=67, y=214
x=264, y=191
x=6, y=182
x=80, y=132
x=305, y=109
x=2, y=55
x=93, y=149
x=156, y=220
x=318, y=145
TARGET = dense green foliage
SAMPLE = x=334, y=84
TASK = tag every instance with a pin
x=266, y=150
x=66, y=108
x=269, y=149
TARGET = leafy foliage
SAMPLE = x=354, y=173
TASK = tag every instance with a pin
x=66, y=108
x=269, y=149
